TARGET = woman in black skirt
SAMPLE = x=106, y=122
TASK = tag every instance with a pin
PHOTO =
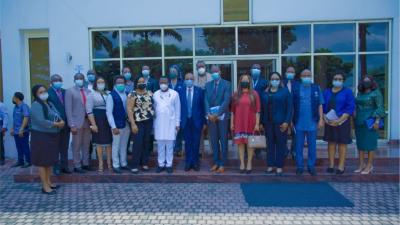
x=46, y=126
x=338, y=107
x=101, y=130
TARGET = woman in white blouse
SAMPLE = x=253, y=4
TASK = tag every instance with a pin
x=101, y=131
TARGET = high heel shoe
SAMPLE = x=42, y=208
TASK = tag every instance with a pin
x=55, y=187
x=365, y=172
x=48, y=193
x=360, y=169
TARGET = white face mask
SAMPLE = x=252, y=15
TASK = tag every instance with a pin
x=44, y=96
x=201, y=71
x=163, y=87
x=101, y=86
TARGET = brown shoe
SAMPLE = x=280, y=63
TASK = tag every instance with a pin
x=221, y=170
x=214, y=168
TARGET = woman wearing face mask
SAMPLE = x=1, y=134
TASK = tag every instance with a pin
x=338, y=107
x=369, y=106
x=46, y=125
x=276, y=116
x=245, y=119
x=140, y=113
x=101, y=130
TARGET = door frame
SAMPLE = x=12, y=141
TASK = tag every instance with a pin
x=26, y=80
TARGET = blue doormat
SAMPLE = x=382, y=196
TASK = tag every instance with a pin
x=293, y=195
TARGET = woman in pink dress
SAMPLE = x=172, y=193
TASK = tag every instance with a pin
x=245, y=118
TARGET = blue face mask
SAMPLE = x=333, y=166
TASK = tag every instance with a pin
x=91, y=77
x=255, y=73
x=146, y=73
x=275, y=83
x=127, y=76
x=120, y=87
x=337, y=83
x=306, y=80
x=57, y=85
x=290, y=76
x=173, y=75
x=189, y=83
x=215, y=76
x=79, y=83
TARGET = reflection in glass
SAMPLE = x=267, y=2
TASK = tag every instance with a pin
x=215, y=41
x=258, y=40
x=186, y=65
x=39, y=61
x=326, y=66
x=178, y=42
x=298, y=62
x=108, y=70
x=334, y=37
x=296, y=39
x=376, y=65
x=236, y=10
x=105, y=44
x=136, y=67
x=141, y=43
x=373, y=36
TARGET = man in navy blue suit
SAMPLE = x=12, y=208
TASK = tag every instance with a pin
x=192, y=120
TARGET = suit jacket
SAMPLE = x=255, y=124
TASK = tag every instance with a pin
x=197, y=107
x=74, y=107
x=222, y=98
x=261, y=85
x=60, y=106
x=282, y=107
x=152, y=85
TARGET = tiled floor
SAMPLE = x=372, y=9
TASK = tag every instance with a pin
x=150, y=203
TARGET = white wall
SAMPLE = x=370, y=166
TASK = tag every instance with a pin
x=68, y=22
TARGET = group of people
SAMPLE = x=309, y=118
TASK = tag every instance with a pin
x=185, y=108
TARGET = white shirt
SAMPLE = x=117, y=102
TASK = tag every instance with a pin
x=167, y=109
x=110, y=107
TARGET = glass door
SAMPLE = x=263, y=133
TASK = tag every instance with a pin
x=267, y=66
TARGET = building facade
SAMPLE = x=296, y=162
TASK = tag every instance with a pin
x=43, y=37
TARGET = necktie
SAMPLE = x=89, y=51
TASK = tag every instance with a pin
x=60, y=97
x=215, y=93
x=189, y=102
x=83, y=97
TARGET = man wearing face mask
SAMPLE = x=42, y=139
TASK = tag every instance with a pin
x=151, y=83
x=307, y=119
x=117, y=118
x=57, y=97
x=259, y=85
x=75, y=110
x=128, y=79
x=192, y=120
x=167, y=108
x=216, y=104
x=202, y=76
x=176, y=84
x=91, y=77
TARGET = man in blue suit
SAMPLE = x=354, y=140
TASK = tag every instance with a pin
x=217, y=98
x=192, y=120
x=57, y=97
x=259, y=85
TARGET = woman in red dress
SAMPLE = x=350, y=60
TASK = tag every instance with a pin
x=245, y=118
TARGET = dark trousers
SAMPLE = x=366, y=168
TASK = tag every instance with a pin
x=192, y=136
x=218, y=133
x=141, y=140
x=2, y=153
x=22, y=144
x=63, y=149
x=178, y=141
x=277, y=145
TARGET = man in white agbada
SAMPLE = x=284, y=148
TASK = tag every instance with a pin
x=167, y=109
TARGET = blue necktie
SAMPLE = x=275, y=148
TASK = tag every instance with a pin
x=189, y=102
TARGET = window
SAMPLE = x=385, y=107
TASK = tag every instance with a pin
x=235, y=10
x=215, y=41
x=334, y=38
x=373, y=37
x=258, y=40
x=325, y=67
x=298, y=62
x=136, y=67
x=108, y=70
x=185, y=65
x=105, y=44
x=141, y=43
x=178, y=42
x=39, y=66
x=296, y=39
